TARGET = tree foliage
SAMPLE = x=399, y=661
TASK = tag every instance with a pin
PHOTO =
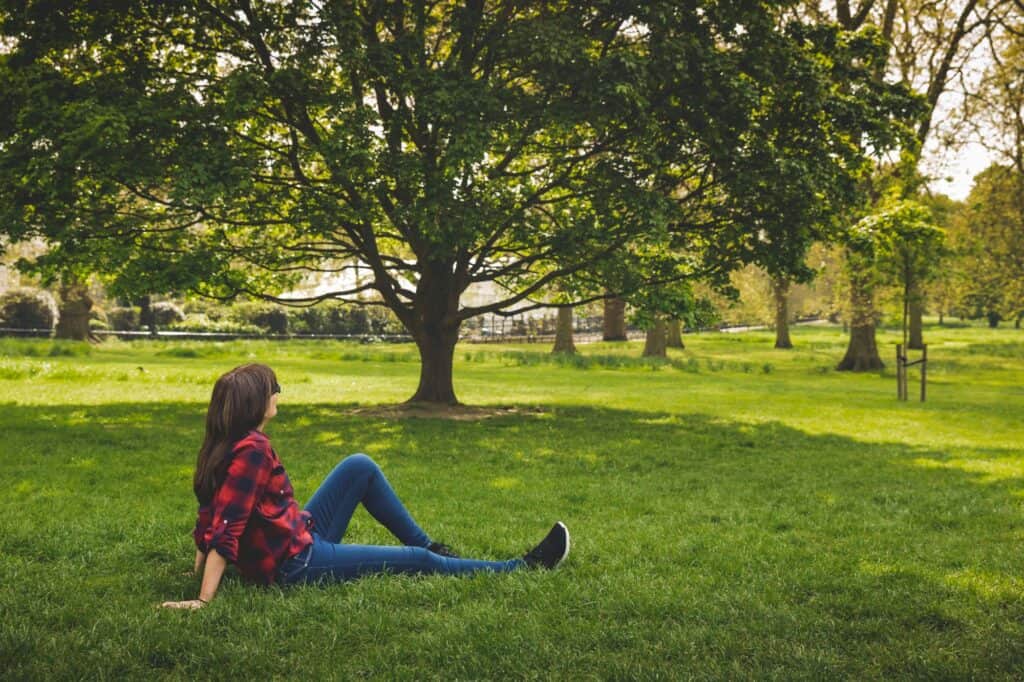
x=899, y=243
x=235, y=147
x=989, y=238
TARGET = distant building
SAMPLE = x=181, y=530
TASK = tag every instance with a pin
x=478, y=294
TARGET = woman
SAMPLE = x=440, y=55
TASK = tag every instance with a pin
x=248, y=515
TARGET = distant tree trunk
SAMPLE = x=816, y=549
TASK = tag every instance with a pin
x=1016, y=323
x=675, y=334
x=655, y=347
x=563, y=332
x=614, y=319
x=75, y=305
x=915, y=306
x=993, y=319
x=941, y=316
x=146, y=317
x=780, y=290
x=862, y=353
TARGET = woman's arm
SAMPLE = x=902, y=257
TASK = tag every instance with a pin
x=212, y=573
x=231, y=507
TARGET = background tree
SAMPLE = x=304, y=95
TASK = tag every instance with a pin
x=654, y=307
x=861, y=253
x=564, y=332
x=989, y=237
x=780, y=292
x=75, y=307
x=674, y=333
x=897, y=244
x=613, y=321
x=932, y=49
x=914, y=254
x=991, y=228
x=944, y=287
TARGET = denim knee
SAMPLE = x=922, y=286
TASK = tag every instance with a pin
x=358, y=463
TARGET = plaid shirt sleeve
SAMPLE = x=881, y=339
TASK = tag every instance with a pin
x=235, y=500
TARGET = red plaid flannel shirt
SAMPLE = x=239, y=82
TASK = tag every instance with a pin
x=253, y=520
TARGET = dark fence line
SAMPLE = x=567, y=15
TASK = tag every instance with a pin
x=213, y=336
x=579, y=336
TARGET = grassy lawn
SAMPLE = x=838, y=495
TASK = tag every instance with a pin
x=739, y=512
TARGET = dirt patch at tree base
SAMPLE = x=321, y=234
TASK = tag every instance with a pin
x=441, y=411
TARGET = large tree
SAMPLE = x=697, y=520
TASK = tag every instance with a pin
x=232, y=147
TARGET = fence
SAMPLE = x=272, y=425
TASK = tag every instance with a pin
x=213, y=336
x=475, y=336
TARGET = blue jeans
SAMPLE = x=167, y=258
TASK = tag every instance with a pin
x=358, y=479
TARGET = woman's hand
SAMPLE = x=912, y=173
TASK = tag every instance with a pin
x=213, y=570
x=189, y=604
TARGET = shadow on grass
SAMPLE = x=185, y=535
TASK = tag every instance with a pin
x=857, y=551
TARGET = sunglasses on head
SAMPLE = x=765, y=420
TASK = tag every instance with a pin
x=275, y=388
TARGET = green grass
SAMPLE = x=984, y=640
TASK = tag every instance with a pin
x=737, y=512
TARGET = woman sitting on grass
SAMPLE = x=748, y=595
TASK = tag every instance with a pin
x=248, y=515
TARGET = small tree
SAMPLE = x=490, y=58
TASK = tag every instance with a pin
x=914, y=259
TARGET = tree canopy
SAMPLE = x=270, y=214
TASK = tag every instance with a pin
x=989, y=237
x=235, y=147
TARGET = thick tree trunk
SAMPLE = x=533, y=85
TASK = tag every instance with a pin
x=915, y=306
x=563, y=332
x=435, y=328
x=862, y=353
x=993, y=319
x=614, y=319
x=780, y=290
x=75, y=305
x=656, y=340
x=675, y=334
x=437, y=352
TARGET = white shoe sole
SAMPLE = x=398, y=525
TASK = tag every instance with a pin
x=566, y=552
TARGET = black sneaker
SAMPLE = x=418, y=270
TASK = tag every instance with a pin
x=443, y=550
x=551, y=551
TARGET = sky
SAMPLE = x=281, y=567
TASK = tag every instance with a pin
x=955, y=170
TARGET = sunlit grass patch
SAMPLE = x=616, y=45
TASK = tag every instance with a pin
x=990, y=469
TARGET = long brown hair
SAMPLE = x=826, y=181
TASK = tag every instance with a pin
x=237, y=406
